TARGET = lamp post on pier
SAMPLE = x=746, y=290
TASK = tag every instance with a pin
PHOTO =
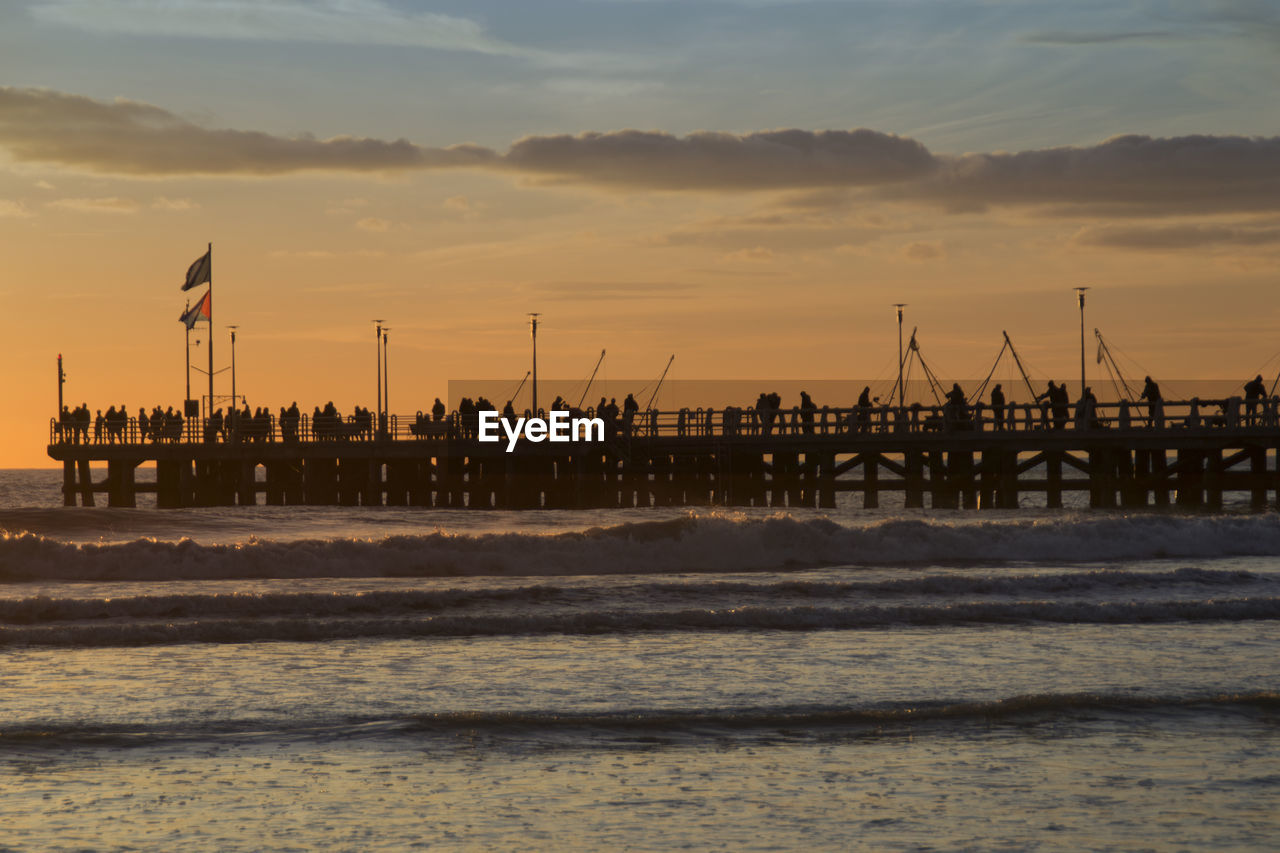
x=898, y=306
x=187, y=373
x=533, y=327
x=386, y=383
x=1080, y=300
x=377, y=351
x=235, y=401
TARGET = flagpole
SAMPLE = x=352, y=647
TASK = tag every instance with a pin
x=209, y=411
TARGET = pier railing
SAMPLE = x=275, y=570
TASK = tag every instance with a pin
x=728, y=422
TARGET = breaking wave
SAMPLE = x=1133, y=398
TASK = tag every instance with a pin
x=692, y=543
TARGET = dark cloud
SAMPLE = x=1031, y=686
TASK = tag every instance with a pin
x=779, y=159
x=127, y=137
x=1134, y=174
x=1163, y=238
x=828, y=172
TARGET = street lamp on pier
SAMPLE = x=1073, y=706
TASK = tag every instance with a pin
x=533, y=328
x=898, y=306
x=386, y=384
x=1080, y=300
x=235, y=401
x=377, y=351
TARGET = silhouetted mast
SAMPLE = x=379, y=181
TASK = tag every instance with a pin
x=1018, y=362
x=519, y=387
x=599, y=362
x=660, y=380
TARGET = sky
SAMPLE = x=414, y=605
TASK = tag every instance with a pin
x=748, y=184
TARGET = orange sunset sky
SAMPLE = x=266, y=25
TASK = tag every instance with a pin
x=746, y=183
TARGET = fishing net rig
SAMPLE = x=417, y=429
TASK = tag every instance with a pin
x=913, y=359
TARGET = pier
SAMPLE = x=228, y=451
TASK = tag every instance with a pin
x=1186, y=454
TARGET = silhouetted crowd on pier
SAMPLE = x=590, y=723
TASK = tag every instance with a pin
x=1050, y=410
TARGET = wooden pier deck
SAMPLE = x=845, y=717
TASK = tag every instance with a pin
x=1186, y=453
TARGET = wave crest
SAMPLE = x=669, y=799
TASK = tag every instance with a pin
x=692, y=543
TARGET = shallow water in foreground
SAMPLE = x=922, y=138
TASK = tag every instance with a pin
x=359, y=679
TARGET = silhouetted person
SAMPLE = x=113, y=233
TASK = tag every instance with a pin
x=1057, y=402
x=629, y=409
x=1155, y=403
x=1253, y=393
x=807, y=408
x=997, y=406
x=82, y=422
x=773, y=403
x=1087, y=411
x=509, y=411
x=864, y=409
x=957, y=408
x=1046, y=403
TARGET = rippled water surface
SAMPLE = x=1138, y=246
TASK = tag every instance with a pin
x=332, y=678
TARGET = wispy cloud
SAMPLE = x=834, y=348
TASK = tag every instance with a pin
x=374, y=224
x=1176, y=237
x=754, y=255
x=355, y=22
x=1066, y=37
x=173, y=205
x=924, y=251
x=579, y=290
x=13, y=209
x=110, y=204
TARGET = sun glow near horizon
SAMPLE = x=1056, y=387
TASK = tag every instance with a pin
x=773, y=250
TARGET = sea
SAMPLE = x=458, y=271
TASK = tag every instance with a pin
x=338, y=678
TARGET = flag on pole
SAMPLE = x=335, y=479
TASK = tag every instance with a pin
x=202, y=310
x=200, y=272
